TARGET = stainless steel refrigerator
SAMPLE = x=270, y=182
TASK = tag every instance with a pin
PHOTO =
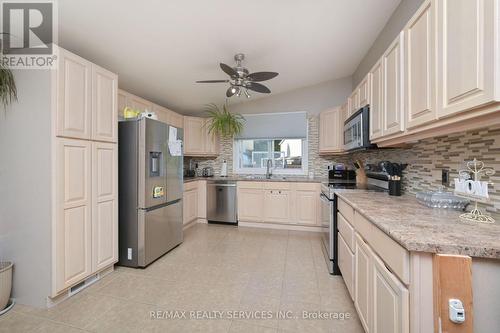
x=150, y=191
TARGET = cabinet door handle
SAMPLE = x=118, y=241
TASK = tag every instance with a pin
x=271, y=192
x=279, y=192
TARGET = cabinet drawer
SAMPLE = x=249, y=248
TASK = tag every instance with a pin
x=245, y=184
x=393, y=254
x=346, y=230
x=276, y=186
x=346, y=210
x=307, y=186
x=190, y=185
x=346, y=265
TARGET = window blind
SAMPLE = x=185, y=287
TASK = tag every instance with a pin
x=292, y=125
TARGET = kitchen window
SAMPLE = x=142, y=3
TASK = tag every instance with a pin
x=288, y=156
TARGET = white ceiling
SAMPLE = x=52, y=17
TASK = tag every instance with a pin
x=159, y=48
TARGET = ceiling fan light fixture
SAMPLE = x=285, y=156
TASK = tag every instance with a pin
x=246, y=93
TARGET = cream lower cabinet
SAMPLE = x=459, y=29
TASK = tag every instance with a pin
x=277, y=205
x=104, y=205
x=346, y=264
x=390, y=300
x=250, y=203
x=86, y=229
x=190, y=202
x=362, y=283
x=73, y=229
x=279, y=202
x=194, y=198
x=306, y=203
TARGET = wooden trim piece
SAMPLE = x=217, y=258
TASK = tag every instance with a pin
x=452, y=278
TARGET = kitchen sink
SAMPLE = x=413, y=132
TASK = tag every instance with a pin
x=262, y=177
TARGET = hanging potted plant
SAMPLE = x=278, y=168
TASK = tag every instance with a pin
x=8, y=91
x=222, y=122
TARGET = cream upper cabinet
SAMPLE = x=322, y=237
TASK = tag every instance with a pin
x=331, y=132
x=197, y=140
x=104, y=105
x=190, y=205
x=420, y=98
x=122, y=102
x=211, y=141
x=104, y=204
x=306, y=206
x=377, y=100
x=277, y=206
x=466, y=45
x=353, y=103
x=194, y=138
x=390, y=301
x=74, y=98
x=362, y=283
x=364, y=91
x=393, y=115
x=73, y=230
x=139, y=104
x=175, y=119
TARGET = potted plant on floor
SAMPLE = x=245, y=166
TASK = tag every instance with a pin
x=8, y=93
x=5, y=286
x=222, y=122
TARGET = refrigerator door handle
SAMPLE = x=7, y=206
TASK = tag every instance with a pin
x=148, y=209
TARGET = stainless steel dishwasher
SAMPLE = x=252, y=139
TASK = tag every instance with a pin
x=221, y=202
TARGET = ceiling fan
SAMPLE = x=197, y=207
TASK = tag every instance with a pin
x=241, y=80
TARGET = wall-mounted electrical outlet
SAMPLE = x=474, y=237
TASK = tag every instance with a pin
x=445, y=177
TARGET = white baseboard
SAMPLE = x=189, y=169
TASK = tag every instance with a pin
x=52, y=301
x=268, y=225
x=194, y=222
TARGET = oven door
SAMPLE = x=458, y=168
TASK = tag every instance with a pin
x=327, y=224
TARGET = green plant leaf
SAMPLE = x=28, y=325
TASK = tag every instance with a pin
x=222, y=122
x=8, y=90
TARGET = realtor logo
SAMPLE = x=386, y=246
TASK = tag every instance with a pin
x=27, y=28
x=28, y=33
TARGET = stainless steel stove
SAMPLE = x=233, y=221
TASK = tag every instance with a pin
x=339, y=181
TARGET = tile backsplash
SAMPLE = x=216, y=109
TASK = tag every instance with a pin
x=425, y=159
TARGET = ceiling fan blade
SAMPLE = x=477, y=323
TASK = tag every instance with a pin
x=228, y=70
x=258, y=87
x=212, y=81
x=261, y=76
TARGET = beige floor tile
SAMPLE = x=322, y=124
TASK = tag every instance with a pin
x=215, y=268
x=241, y=327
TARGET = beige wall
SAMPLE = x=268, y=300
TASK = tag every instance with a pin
x=25, y=188
x=312, y=99
x=398, y=20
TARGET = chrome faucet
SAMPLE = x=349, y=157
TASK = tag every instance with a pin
x=269, y=165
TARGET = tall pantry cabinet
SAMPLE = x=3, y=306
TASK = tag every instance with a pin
x=85, y=228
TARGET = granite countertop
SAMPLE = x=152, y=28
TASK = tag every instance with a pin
x=245, y=178
x=422, y=229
